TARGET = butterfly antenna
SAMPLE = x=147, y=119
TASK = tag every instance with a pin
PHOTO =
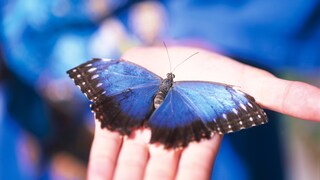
x=184, y=61
x=167, y=55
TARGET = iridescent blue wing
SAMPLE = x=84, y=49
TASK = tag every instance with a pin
x=122, y=92
x=192, y=110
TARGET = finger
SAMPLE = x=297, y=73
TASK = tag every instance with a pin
x=196, y=161
x=133, y=156
x=293, y=98
x=162, y=163
x=104, y=151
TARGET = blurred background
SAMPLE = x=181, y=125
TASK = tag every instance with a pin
x=46, y=127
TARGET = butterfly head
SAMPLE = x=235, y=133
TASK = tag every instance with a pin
x=170, y=76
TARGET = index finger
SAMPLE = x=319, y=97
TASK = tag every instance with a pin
x=297, y=99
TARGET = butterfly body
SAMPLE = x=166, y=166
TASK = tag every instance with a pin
x=165, y=86
x=127, y=96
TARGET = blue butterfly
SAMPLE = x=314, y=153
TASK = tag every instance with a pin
x=126, y=96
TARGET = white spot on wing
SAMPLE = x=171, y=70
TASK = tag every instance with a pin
x=95, y=76
x=230, y=130
x=74, y=70
x=98, y=85
x=250, y=104
x=251, y=119
x=259, y=116
x=83, y=83
x=92, y=69
x=240, y=122
x=238, y=91
x=229, y=126
x=235, y=111
x=243, y=107
x=224, y=116
x=103, y=92
x=79, y=75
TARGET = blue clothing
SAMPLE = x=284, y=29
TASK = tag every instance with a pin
x=274, y=34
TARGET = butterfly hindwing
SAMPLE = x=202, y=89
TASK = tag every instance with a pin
x=175, y=123
x=194, y=109
x=122, y=92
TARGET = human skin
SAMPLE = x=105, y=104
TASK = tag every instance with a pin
x=115, y=157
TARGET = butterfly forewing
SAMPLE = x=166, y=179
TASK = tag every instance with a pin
x=222, y=106
x=122, y=92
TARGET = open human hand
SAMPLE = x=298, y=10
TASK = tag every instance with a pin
x=116, y=157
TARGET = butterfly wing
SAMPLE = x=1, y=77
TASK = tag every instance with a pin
x=122, y=92
x=192, y=110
